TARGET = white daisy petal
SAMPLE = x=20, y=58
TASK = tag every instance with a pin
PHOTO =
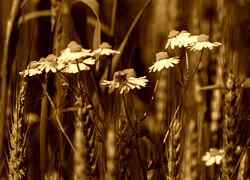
x=218, y=159
x=210, y=162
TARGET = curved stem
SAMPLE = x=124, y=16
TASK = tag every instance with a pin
x=58, y=121
x=152, y=98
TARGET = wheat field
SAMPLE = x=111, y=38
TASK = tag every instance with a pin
x=112, y=89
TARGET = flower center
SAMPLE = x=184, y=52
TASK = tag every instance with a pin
x=161, y=55
x=202, y=38
x=173, y=33
x=120, y=76
x=105, y=45
x=51, y=58
x=75, y=48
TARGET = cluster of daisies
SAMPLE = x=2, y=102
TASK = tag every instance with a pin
x=74, y=59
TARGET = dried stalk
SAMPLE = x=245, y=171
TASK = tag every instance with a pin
x=17, y=160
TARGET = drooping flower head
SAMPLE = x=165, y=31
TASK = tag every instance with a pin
x=163, y=61
x=202, y=42
x=213, y=156
x=105, y=49
x=124, y=81
x=74, y=65
x=176, y=38
x=32, y=69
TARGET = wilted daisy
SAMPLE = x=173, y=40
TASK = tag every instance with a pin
x=124, y=81
x=105, y=49
x=74, y=51
x=32, y=69
x=163, y=61
x=176, y=38
x=50, y=63
x=74, y=65
x=213, y=156
x=202, y=42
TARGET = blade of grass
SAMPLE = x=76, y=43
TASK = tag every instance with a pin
x=3, y=102
x=116, y=58
x=94, y=6
x=113, y=19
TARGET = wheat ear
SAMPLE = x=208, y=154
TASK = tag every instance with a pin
x=17, y=160
x=174, y=150
x=230, y=126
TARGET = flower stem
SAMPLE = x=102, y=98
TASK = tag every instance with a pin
x=176, y=111
x=126, y=112
x=152, y=98
x=58, y=120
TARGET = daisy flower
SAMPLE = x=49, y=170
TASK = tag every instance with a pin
x=74, y=66
x=74, y=51
x=213, y=156
x=73, y=58
x=124, y=81
x=105, y=49
x=50, y=63
x=190, y=41
x=163, y=61
x=176, y=38
x=202, y=42
x=32, y=69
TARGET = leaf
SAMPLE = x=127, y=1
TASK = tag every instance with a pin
x=116, y=58
x=94, y=6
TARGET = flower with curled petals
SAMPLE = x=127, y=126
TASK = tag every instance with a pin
x=74, y=51
x=163, y=61
x=32, y=69
x=124, y=81
x=202, y=42
x=213, y=156
x=50, y=63
x=176, y=38
x=105, y=49
x=74, y=65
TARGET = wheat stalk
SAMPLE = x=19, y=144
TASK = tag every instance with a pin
x=243, y=172
x=230, y=125
x=174, y=150
x=80, y=161
x=17, y=160
x=111, y=148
